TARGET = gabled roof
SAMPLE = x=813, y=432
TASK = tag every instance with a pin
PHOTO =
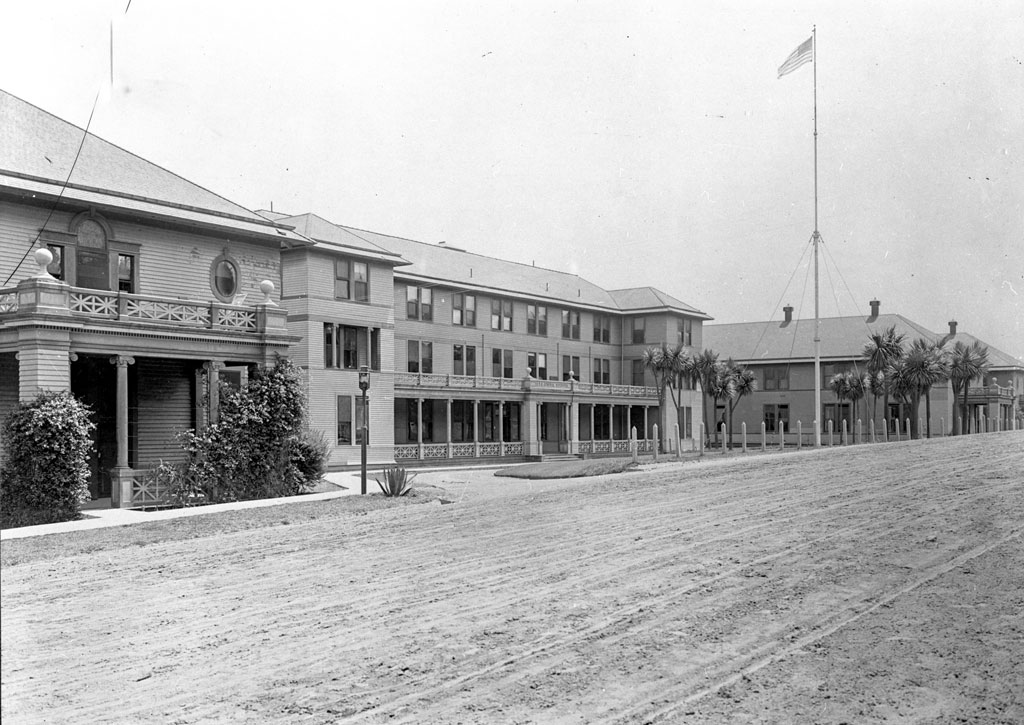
x=43, y=155
x=328, y=235
x=841, y=337
x=649, y=299
x=997, y=359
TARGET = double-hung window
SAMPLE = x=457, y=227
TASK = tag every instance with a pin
x=345, y=347
x=464, y=360
x=776, y=377
x=501, y=315
x=464, y=309
x=571, y=324
x=685, y=326
x=419, y=303
x=602, y=371
x=639, y=330
x=570, y=367
x=538, y=363
x=421, y=356
x=602, y=328
x=351, y=280
x=501, y=363
x=536, y=319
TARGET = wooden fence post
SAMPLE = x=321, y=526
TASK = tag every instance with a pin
x=743, y=432
x=763, y=431
x=799, y=434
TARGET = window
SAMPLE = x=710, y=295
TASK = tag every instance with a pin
x=223, y=274
x=126, y=273
x=639, y=330
x=421, y=356
x=602, y=371
x=419, y=303
x=835, y=413
x=351, y=280
x=464, y=309
x=538, y=364
x=776, y=377
x=501, y=363
x=464, y=359
x=830, y=369
x=56, y=267
x=602, y=328
x=571, y=324
x=345, y=347
x=344, y=420
x=774, y=415
x=602, y=423
x=501, y=315
x=685, y=331
x=570, y=367
x=462, y=421
x=536, y=320
x=510, y=422
x=638, y=372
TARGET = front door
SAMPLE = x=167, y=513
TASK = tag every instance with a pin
x=94, y=382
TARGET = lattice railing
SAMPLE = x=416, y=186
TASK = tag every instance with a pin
x=407, y=452
x=490, y=449
x=602, y=447
x=181, y=313
x=236, y=318
x=435, y=450
x=514, y=449
x=147, y=491
x=8, y=301
x=462, y=450
x=618, y=446
x=586, y=446
x=98, y=304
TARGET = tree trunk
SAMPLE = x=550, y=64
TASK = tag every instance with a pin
x=967, y=420
x=928, y=411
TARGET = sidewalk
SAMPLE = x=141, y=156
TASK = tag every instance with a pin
x=343, y=483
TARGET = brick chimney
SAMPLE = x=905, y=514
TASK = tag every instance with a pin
x=788, y=311
x=875, y=304
x=951, y=335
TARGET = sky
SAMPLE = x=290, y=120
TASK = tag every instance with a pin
x=632, y=143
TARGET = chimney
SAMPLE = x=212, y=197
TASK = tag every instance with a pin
x=951, y=335
x=875, y=304
x=789, y=315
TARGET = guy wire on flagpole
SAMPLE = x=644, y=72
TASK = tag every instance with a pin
x=816, y=237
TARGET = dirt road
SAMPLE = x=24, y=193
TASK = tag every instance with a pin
x=873, y=584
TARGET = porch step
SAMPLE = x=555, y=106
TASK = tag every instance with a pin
x=556, y=457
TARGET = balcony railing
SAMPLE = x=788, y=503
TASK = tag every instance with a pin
x=463, y=382
x=34, y=296
x=990, y=391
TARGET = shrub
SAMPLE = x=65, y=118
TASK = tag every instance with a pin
x=258, y=448
x=397, y=481
x=44, y=477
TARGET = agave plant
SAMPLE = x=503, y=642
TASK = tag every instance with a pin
x=397, y=481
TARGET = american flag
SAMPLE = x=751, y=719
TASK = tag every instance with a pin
x=803, y=54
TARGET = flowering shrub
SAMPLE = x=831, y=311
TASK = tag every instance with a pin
x=259, y=447
x=44, y=477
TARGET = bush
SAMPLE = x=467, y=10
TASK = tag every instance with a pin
x=259, y=447
x=44, y=477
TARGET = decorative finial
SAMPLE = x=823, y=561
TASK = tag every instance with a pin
x=267, y=287
x=43, y=257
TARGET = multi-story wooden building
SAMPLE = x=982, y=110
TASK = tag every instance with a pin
x=781, y=354
x=129, y=286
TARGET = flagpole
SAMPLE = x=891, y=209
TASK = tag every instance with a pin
x=816, y=237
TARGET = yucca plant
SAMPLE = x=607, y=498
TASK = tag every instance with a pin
x=397, y=481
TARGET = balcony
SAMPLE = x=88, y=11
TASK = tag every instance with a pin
x=441, y=381
x=39, y=296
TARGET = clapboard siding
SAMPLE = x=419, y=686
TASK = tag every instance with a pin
x=165, y=403
x=19, y=225
x=8, y=385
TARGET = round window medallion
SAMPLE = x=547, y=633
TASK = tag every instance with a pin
x=224, y=277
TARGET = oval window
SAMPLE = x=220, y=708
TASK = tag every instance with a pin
x=224, y=276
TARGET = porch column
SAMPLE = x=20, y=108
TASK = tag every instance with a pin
x=121, y=477
x=419, y=428
x=476, y=428
x=531, y=428
x=212, y=369
x=43, y=363
x=448, y=425
x=501, y=427
x=574, y=428
x=611, y=425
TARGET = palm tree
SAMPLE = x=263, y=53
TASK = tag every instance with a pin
x=904, y=384
x=744, y=381
x=667, y=364
x=721, y=386
x=936, y=370
x=966, y=362
x=703, y=371
x=882, y=350
x=856, y=387
x=839, y=384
